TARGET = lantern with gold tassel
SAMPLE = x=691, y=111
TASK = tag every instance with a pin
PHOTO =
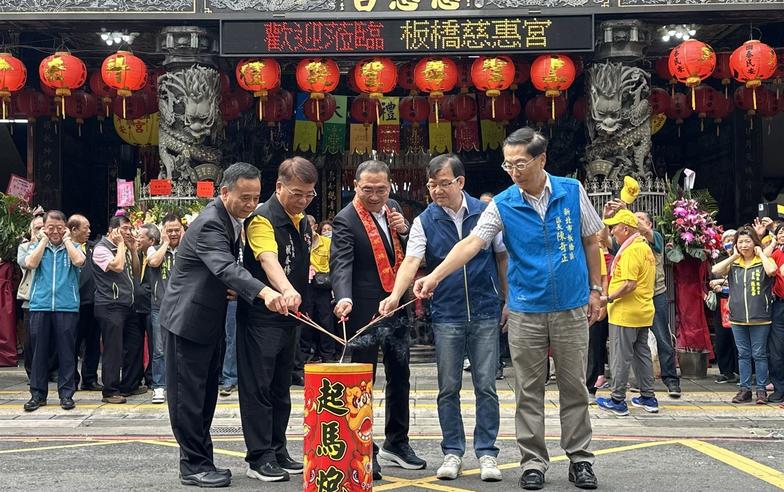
x=552, y=74
x=13, y=75
x=752, y=63
x=435, y=75
x=493, y=75
x=690, y=63
x=318, y=76
x=124, y=72
x=259, y=76
x=63, y=73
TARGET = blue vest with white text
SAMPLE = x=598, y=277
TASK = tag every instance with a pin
x=471, y=292
x=547, y=267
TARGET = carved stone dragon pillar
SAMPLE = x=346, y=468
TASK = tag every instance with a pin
x=618, y=123
x=188, y=103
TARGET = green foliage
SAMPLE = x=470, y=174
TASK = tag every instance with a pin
x=15, y=217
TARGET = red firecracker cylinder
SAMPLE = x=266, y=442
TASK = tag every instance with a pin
x=338, y=440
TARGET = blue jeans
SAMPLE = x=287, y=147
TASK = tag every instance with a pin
x=229, y=375
x=661, y=330
x=776, y=347
x=158, y=350
x=480, y=339
x=752, y=342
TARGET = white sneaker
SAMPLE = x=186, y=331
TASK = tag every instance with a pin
x=489, y=469
x=158, y=395
x=451, y=467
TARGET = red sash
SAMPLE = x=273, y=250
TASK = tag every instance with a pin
x=386, y=272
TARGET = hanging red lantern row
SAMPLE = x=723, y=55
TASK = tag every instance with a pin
x=705, y=98
x=138, y=105
x=522, y=73
x=259, y=76
x=463, y=75
x=447, y=108
x=32, y=104
x=81, y=106
x=679, y=109
x=225, y=83
x=580, y=109
x=722, y=108
x=435, y=75
x=537, y=110
x=722, y=71
x=245, y=99
x=375, y=77
x=364, y=109
x=318, y=76
x=126, y=73
x=103, y=91
x=745, y=100
x=662, y=68
x=768, y=108
x=13, y=75
x=405, y=78
x=351, y=80
x=659, y=100
x=552, y=74
x=752, y=63
x=279, y=106
x=778, y=75
x=492, y=75
x=320, y=110
x=414, y=109
x=230, y=109
x=508, y=108
x=690, y=63
x=63, y=73
x=463, y=107
x=152, y=81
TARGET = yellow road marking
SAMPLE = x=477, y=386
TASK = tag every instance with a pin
x=61, y=446
x=740, y=462
x=173, y=444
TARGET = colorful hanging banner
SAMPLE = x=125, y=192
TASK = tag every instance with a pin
x=125, y=196
x=361, y=138
x=467, y=136
x=389, y=111
x=493, y=134
x=334, y=137
x=305, y=131
x=388, y=130
x=440, y=137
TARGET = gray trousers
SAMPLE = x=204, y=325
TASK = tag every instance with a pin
x=629, y=350
x=530, y=337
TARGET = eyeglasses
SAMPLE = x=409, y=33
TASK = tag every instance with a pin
x=443, y=185
x=366, y=190
x=517, y=166
x=299, y=195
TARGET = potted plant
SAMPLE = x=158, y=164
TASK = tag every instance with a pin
x=15, y=217
x=692, y=238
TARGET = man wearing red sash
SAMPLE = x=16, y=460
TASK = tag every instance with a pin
x=367, y=249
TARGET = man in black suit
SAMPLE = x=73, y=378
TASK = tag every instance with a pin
x=366, y=251
x=193, y=312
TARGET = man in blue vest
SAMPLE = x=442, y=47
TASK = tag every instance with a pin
x=549, y=230
x=465, y=312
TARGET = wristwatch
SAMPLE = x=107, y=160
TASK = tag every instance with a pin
x=597, y=288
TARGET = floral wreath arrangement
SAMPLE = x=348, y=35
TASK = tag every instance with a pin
x=688, y=224
x=154, y=213
x=15, y=218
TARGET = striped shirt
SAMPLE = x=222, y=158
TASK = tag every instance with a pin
x=490, y=222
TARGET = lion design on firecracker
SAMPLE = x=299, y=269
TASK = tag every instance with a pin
x=360, y=413
x=309, y=468
x=362, y=471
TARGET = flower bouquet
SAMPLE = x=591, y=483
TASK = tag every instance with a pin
x=690, y=231
x=154, y=213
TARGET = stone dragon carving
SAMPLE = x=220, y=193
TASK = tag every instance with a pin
x=189, y=115
x=619, y=128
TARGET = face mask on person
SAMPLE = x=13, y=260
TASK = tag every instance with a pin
x=327, y=234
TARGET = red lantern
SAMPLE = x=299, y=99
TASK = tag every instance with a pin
x=32, y=104
x=508, y=108
x=259, y=76
x=318, y=76
x=62, y=72
x=351, y=80
x=13, y=75
x=103, y=91
x=744, y=99
x=722, y=108
x=769, y=106
x=580, y=108
x=124, y=72
x=537, y=110
x=752, y=63
x=492, y=75
x=225, y=83
x=463, y=75
x=435, y=75
x=705, y=99
x=463, y=107
x=778, y=75
x=364, y=109
x=279, y=106
x=414, y=109
x=152, y=80
x=244, y=98
x=230, y=106
x=662, y=68
x=552, y=74
x=522, y=73
x=81, y=106
x=137, y=105
x=722, y=71
x=659, y=100
x=375, y=76
x=691, y=62
x=447, y=108
x=405, y=77
x=679, y=109
x=320, y=110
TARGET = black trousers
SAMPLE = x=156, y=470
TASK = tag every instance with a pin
x=145, y=324
x=391, y=335
x=122, y=344
x=724, y=346
x=89, y=334
x=59, y=327
x=318, y=305
x=28, y=350
x=265, y=358
x=597, y=353
x=192, y=372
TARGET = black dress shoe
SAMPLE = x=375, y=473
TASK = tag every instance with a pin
x=403, y=456
x=776, y=397
x=376, y=469
x=33, y=404
x=92, y=387
x=67, y=403
x=223, y=471
x=288, y=464
x=581, y=473
x=532, y=480
x=207, y=480
x=268, y=472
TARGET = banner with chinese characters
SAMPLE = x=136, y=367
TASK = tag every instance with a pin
x=305, y=131
x=388, y=130
x=466, y=136
x=406, y=35
x=493, y=134
x=360, y=138
x=440, y=135
x=125, y=196
x=334, y=138
x=338, y=440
